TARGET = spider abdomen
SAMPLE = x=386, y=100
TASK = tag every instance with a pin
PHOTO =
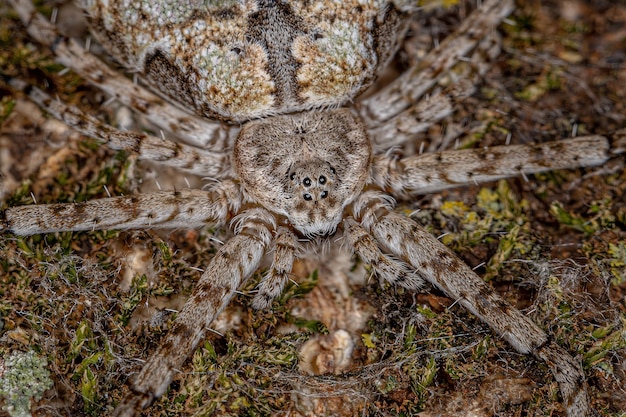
x=236, y=61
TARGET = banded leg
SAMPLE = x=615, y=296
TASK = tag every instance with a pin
x=68, y=52
x=405, y=239
x=147, y=147
x=432, y=172
x=286, y=248
x=420, y=78
x=418, y=118
x=185, y=209
x=392, y=270
x=233, y=264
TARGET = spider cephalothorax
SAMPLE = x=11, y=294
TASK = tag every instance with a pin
x=307, y=166
x=288, y=160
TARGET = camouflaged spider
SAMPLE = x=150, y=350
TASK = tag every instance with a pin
x=291, y=162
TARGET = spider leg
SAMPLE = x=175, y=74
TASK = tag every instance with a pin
x=392, y=270
x=461, y=82
x=286, y=247
x=185, y=208
x=421, y=77
x=181, y=156
x=432, y=172
x=233, y=264
x=405, y=239
x=158, y=111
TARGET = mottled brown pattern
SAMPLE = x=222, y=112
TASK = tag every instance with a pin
x=421, y=174
x=286, y=248
x=243, y=61
x=295, y=175
x=185, y=208
x=331, y=144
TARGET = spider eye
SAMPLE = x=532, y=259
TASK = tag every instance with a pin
x=322, y=180
x=333, y=170
x=292, y=176
x=306, y=181
x=324, y=194
x=307, y=197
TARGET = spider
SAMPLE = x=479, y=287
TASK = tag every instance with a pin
x=293, y=165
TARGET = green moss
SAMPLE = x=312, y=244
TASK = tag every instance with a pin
x=617, y=262
x=138, y=290
x=598, y=216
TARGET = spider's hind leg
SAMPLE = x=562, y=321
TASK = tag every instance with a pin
x=147, y=147
x=189, y=128
x=438, y=103
x=407, y=89
x=405, y=239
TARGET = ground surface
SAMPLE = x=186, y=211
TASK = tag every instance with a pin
x=95, y=305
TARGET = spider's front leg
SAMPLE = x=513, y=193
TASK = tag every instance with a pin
x=286, y=248
x=392, y=270
x=234, y=263
x=406, y=240
x=433, y=172
x=185, y=208
x=403, y=238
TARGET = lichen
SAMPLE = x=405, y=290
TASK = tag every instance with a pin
x=23, y=377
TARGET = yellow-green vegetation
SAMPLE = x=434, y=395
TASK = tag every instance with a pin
x=497, y=218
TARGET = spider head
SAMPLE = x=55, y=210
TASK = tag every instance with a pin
x=307, y=167
x=316, y=206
